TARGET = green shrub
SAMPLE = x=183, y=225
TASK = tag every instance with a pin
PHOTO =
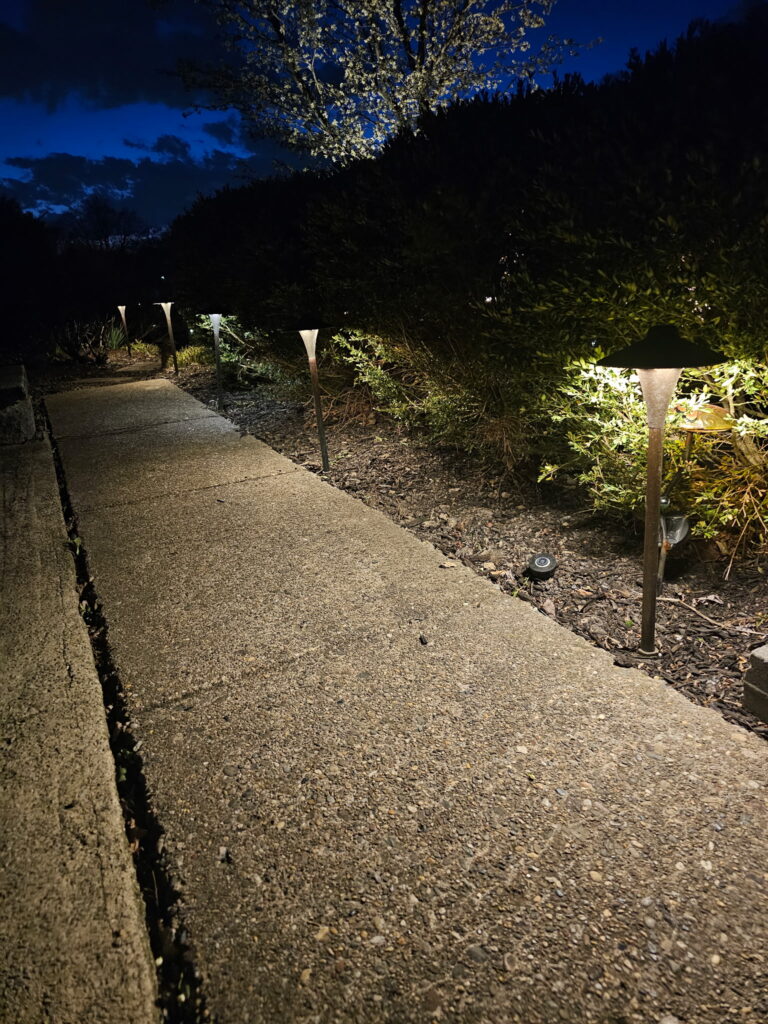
x=144, y=350
x=719, y=479
x=114, y=337
x=86, y=341
x=195, y=355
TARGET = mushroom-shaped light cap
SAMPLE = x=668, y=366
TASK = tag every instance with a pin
x=662, y=348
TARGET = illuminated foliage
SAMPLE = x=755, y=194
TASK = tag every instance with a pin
x=473, y=262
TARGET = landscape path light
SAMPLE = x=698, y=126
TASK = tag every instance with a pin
x=216, y=325
x=121, y=311
x=167, y=310
x=659, y=359
x=310, y=343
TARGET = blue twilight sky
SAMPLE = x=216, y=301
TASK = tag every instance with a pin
x=88, y=98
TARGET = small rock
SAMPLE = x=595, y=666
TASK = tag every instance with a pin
x=548, y=607
x=322, y=933
x=477, y=953
x=432, y=1001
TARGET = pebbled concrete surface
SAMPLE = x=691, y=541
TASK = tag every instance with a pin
x=392, y=793
x=73, y=946
x=99, y=409
x=169, y=458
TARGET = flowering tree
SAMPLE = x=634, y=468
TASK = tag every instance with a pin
x=336, y=78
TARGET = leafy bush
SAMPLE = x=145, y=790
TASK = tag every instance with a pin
x=87, y=341
x=720, y=479
x=144, y=349
x=195, y=355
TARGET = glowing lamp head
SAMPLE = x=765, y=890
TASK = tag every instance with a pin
x=310, y=342
x=215, y=319
x=659, y=359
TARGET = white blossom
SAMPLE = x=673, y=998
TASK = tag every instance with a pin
x=336, y=78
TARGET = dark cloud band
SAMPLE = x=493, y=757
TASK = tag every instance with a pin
x=106, y=53
x=156, y=189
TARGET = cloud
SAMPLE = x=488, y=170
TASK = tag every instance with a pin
x=164, y=145
x=157, y=190
x=108, y=54
x=226, y=132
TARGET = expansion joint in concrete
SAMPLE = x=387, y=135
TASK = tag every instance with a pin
x=179, y=983
x=130, y=429
x=149, y=498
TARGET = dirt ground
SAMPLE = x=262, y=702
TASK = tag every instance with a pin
x=706, y=624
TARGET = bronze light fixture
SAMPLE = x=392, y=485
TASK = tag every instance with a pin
x=167, y=310
x=310, y=343
x=659, y=358
x=121, y=311
x=215, y=319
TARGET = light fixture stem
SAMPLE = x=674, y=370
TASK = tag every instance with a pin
x=216, y=324
x=319, y=412
x=651, y=546
x=167, y=310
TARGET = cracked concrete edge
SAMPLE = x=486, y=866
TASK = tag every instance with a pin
x=73, y=941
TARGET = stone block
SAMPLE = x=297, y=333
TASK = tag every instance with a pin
x=756, y=684
x=17, y=420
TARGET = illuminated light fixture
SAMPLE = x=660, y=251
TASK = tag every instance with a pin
x=121, y=311
x=167, y=310
x=310, y=343
x=659, y=359
x=216, y=326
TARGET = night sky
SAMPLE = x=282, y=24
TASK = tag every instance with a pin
x=89, y=98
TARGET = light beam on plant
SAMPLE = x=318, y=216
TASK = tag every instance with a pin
x=659, y=359
x=310, y=343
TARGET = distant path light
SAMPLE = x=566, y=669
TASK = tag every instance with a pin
x=167, y=310
x=216, y=325
x=310, y=343
x=121, y=310
x=659, y=359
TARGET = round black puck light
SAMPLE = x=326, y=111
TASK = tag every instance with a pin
x=541, y=567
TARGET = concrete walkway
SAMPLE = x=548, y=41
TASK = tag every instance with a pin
x=73, y=943
x=391, y=792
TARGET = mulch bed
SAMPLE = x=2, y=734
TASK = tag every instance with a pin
x=706, y=624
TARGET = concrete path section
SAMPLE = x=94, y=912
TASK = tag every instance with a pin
x=391, y=792
x=73, y=945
